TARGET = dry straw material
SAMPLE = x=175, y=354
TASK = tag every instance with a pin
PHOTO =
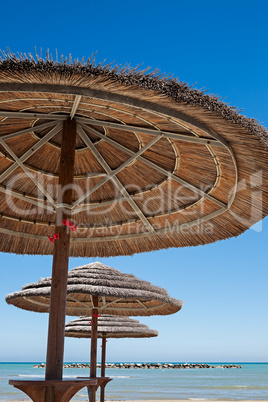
x=157, y=164
x=118, y=294
x=109, y=327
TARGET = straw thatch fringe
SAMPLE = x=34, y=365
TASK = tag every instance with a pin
x=118, y=296
x=169, y=86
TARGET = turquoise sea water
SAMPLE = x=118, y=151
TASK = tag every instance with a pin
x=250, y=382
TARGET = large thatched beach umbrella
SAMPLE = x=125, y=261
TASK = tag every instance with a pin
x=96, y=289
x=108, y=327
x=136, y=162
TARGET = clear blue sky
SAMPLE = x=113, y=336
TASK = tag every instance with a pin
x=220, y=46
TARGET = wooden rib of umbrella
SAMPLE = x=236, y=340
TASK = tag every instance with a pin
x=108, y=327
x=96, y=289
x=149, y=163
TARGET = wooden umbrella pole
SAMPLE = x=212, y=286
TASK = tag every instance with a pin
x=55, y=343
x=103, y=358
x=94, y=339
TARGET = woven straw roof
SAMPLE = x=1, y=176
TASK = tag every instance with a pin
x=110, y=327
x=157, y=165
x=118, y=293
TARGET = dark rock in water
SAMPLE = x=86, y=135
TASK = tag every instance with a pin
x=146, y=365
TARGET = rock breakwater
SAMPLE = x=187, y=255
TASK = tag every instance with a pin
x=147, y=365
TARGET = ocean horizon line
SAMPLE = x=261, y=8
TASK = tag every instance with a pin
x=142, y=361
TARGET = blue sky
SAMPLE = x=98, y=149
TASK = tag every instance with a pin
x=220, y=46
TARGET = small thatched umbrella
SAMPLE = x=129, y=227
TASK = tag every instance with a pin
x=135, y=161
x=96, y=289
x=108, y=327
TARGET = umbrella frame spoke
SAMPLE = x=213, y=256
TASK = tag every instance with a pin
x=158, y=168
x=111, y=175
x=36, y=301
x=142, y=304
x=18, y=162
x=73, y=299
x=39, y=202
x=76, y=102
x=30, y=151
x=27, y=130
x=143, y=130
x=108, y=304
x=32, y=115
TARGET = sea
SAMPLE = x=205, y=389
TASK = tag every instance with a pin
x=230, y=384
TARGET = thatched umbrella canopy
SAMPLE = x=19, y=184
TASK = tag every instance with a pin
x=117, y=293
x=157, y=163
x=135, y=161
x=108, y=327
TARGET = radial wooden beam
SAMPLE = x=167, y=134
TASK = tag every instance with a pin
x=106, y=308
x=112, y=302
x=28, y=130
x=100, y=308
x=32, y=115
x=75, y=105
x=97, y=204
x=21, y=165
x=52, y=174
x=138, y=129
x=73, y=299
x=31, y=200
x=56, y=331
x=112, y=175
x=156, y=167
x=142, y=304
x=28, y=153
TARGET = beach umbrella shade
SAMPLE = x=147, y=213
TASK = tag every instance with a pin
x=108, y=327
x=117, y=293
x=96, y=289
x=132, y=160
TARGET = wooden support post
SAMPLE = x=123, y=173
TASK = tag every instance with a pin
x=103, y=358
x=94, y=339
x=55, y=343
